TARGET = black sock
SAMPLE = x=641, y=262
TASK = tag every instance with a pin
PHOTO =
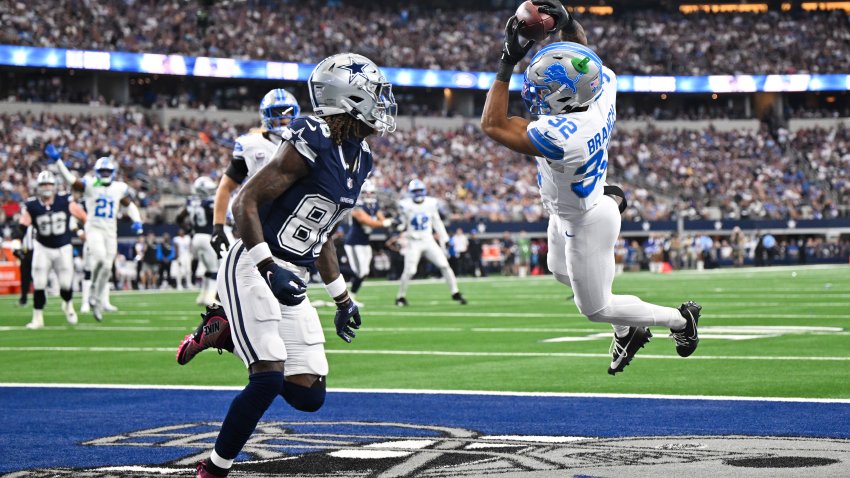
x=245, y=412
x=356, y=282
x=66, y=294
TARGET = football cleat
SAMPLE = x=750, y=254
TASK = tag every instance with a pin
x=401, y=302
x=96, y=311
x=213, y=331
x=458, y=298
x=204, y=473
x=85, y=308
x=625, y=348
x=109, y=307
x=35, y=325
x=687, y=339
x=70, y=314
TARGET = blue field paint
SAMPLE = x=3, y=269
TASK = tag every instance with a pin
x=46, y=426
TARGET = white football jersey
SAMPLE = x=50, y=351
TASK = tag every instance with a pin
x=102, y=205
x=574, y=147
x=255, y=150
x=421, y=220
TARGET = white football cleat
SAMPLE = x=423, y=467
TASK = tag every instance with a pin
x=85, y=308
x=35, y=325
x=70, y=314
x=109, y=307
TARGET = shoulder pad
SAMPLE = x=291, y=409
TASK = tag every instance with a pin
x=547, y=138
x=309, y=136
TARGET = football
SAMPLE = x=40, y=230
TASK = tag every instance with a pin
x=535, y=25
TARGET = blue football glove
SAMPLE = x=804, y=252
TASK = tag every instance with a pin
x=287, y=287
x=137, y=228
x=347, y=318
x=51, y=152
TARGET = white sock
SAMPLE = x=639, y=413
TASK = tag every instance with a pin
x=38, y=316
x=86, y=290
x=621, y=330
x=220, y=462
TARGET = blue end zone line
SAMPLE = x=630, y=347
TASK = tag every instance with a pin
x=436, y=392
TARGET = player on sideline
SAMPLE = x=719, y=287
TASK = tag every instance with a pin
x=420, y=219
x=102, y=197
x=50, y=214
x=251, y=151
x=285, y=214
x=198, y=217
x=183, y=265
x=574, y=97
x=366, y=215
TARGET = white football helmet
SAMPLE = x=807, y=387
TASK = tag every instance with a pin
x=369, y=193
x=46, y=187
x=561, y=77
x=204, y=186
x=353, y=84
x=104, y=170
x=417, y=190
x=277, y=109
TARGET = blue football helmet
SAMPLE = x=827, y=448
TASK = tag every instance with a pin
x=417, y=191
x=561, y=77
x=104, y=170
x=277, y=109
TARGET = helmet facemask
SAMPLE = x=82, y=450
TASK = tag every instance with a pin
x=381, y=115
x=46, y=189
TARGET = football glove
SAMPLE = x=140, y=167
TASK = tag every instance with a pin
x=138, y=228
x=287, y=287
x=218, y=240
x=513, y=51
x=347, y=318
x=52, y=153
x=556, y=9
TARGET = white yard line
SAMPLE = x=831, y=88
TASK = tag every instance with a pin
x=439, y=353
x=436, y=392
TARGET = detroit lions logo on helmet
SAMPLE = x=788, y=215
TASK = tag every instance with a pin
x=557, y=73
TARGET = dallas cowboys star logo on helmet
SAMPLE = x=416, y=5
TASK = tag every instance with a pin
x=355, y=69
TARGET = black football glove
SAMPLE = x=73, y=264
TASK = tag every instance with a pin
x=556, y=10
x=347, y=318
x=513, y=51
x=218, y=240
x=287, y=287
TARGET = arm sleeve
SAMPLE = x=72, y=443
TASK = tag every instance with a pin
x=67, y=175
x=133, y=212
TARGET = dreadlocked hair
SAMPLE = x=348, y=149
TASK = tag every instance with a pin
x=344, y=126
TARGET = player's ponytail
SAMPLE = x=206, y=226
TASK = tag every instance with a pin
x=344, y=126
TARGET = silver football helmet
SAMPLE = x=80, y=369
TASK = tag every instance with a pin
x=204, y=186
x=562, y=76
x=46, y=181
x=353, y=84
x=369, y=193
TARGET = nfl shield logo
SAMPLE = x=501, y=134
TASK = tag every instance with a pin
x=350, y=183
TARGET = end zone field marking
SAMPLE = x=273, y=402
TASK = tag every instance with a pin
x=407, y=391
x=439, y=353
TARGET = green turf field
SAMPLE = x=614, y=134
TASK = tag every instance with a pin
x=769, y=332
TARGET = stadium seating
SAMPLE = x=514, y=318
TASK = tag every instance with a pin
x=643, y=42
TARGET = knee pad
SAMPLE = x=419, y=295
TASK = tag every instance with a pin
x=87, y=274
x=39, y=298
x=305, y=399
x=66, y=294
x=211, y=275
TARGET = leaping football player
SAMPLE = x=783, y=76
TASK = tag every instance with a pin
x=285, y=214
x=574, y=97
x=102, y=197
x=420, y=220
x=365, y=216
x=50, y=215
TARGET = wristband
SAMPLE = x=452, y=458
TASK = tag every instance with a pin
x=505, y=72
x=259, y=253
x=336, y=287
x=387, y=222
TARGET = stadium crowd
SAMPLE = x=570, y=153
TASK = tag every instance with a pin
x=640, y=42
x=704, y=174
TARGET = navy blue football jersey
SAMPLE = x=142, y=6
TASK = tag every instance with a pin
x=358, y=234
x=51, y=223
x=297, y=223
x=200, y=215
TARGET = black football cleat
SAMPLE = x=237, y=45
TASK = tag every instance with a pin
x=401, y=302
x=213, y=331
x=625, y=348
x=458, y=298
x=687, y=339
